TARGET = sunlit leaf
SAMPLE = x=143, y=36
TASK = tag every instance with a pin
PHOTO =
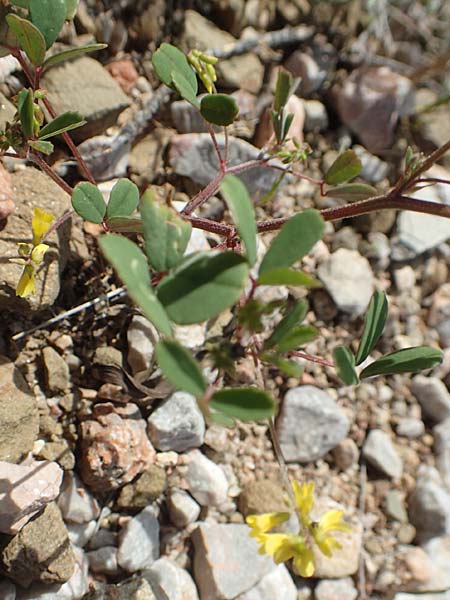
x=132, y=267
x=123, y=200
x=241, y=207
x=88, y=202
x=345, y=365
x=30, y=39
x=373, y=325
x=286, y=276
x=65, y=122
x=71, y=53
x=48, y=16
x=284, y=88
x=219, y=109
x=408, y=360
x=294, y=316
x=172, y=67
x=346, y=166
x=180, y=368
x=246, y=404
x=43, y=147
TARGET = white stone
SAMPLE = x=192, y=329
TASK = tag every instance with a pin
x=141, y=337
x=433, y=396
x=75, y=502
x=206, y=481
x=183, y=509
x=170, y=581
x=276, y=585
x=379, y=450
x=81, y=533
x=103, y=560
x=139, y=541
x=344, y=589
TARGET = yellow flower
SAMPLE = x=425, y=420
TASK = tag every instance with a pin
x=331, y=521
x=26, y=284
x=304, y=498
x=262, y=523
x=40, y=224
x=37, y=254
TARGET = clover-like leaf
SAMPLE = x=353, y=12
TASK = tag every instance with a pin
x=246, y=404
x=30, y=39
x=219, y=109
x=48, y=16
x=43, y=147
x=123, y=200
x=241, y=208
x=346, y=166
x=173, y=68
x=286, y=276
x=25, y=108
x=88, y=202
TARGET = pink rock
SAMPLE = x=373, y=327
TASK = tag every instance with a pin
x=370, y=102
x=124, y=72
x=114, y=446
x=264, y=132
x=24, y=490
x=6, y=194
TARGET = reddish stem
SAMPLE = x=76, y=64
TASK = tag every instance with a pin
x=314, y=359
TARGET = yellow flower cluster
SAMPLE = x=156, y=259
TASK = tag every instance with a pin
x=299, y=547
x=33, y=253
x=204, y=65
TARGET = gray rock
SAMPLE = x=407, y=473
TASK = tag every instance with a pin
x=316, y=117
x=56, y=370
x=410, y=427
x=142, y=337
x=183, y=509
x=429, y=506
x=395, y=506
x=349, y=280
x=346, y=454
x=75, y=502
x=41, y=551
x=206, y=481
x=136, y=589
x=170, y=582
x=310, y=424
x=139, y=541
x=331, y=589
x=83, y=85
x=231, y=545
x=433, y=574
x=19, y=418
x=32, y=188
x=193, y=155
x=276, y=585
x=374, y=169
x=434, y=125
x=103, y=560
x=244, y=71
x=380, y=452
x=306, y=67
x=144, y=490
x=441, y=434
x=433, y=396
x=186, y=118
x=177, y=424
x=80, y=534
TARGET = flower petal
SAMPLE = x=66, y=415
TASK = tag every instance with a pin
x=40, y=224
x=26, y=284
x=37, y=254
x=262, y=523
x=304, y=497
x=304, y=563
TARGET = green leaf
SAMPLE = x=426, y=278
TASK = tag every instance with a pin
x=87, y=201
x=65, y=122
x=71, y=8
x=299, y=336
x=286, y=276
x=43, y=147
x=180, y=368
x=203, y=286
x=345, y=167
x=241, y=207
x=166, y=233
x=408, y=360
x=132, y=268
x=284, y=88
x=123, y=200
x=246, y=404
x=295, y=239
x=345, y=365
x=49, y=17
x=352, y=191
x=285, y=326
x=25, y=108
x=373, y=325
x=288, y=367
x=172, y=67
x=219, y=109
x=72, y=53
x=30, y=39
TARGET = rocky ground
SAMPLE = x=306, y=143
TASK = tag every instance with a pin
x=106, y=493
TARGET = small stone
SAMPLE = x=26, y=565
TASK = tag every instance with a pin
x=310, y=424
x=276, y=585
x=316, y=117
x=7, y=111
x=170, y=581
x=259, y=497
x=103, y=560
x=75, y=502
x=124, y=72
x=349, y=279
x=84, y=86
x=139, y=541
x=395, y=506
x=81, y=534
x=333, y=589
x=103, y=537
x=374, y=169
x=433, y=396
x=177, y=424
x=183, y=509
x=19, y=418
x=406, y=533
x=147, y=488
x=306, y=67
x=438, y=550
x=405, y=278
x=41, y=551
x=192, y=336
x=142, y=337
x=230, y=545
x=441, y=434
x=136, y=589
x=345, y=454
x=6, y=192
x=146, y=160
x=429, y=506
x=114, y=446
x=25, y=490
x=379, y=451
x=410, y=427
x=59, y=452
x=56, y=371
x=206, y=481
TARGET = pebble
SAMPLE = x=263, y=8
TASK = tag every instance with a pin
x=433, y=397
x=170, y=581
x=306, y=67
x=81, y=534
x=374, y=169
x=25, y=490
x=205, y=480
x=139, y=541
x=45, y=543
x=75, y=502
x=276, y=585
x=183, y=509
x=19, y=418
x=441, y=435
x=438, y=550
x=348, y=278
x=410, y=427
x=144, y=490
x=263, y=496
x=346, y=454
x=114, y=446
x=7, y=205
x=141, y=337
x=177, y=424
x=226, y=560
x=316, y=117
x=429, y=505
x=56, y=371
x=310, y=424
x=103, y=560
x=380, y=452
x=395, y=506
x=193, y=336
x=336, y=589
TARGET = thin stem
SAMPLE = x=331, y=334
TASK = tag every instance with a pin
x=433, y=180
x=58, y=222
x=10, y=155
x=203, y=194
x=36, y=158
x=281, y=462
x=211, y=226
x=290, y=171
x=225, y=131
x=222, y=162
x=314, y=359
